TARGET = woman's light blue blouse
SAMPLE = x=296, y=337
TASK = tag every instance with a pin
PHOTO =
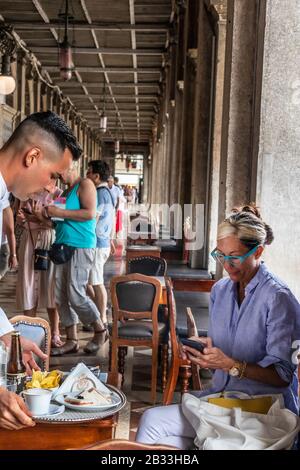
x=262, y=330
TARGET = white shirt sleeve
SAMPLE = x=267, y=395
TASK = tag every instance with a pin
x=5, y=325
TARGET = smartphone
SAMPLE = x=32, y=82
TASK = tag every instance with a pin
x=193, y=344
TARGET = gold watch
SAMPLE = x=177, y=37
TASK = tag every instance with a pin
x=238, y=369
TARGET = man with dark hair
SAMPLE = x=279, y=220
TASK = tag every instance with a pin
x=39, y=150
x=98, y=172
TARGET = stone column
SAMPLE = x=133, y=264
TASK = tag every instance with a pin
x=190, y=44
x=243, y=74
x=22, y=85
x=38, y=85
x=278, y=175
x=204, y=57
x=217, y=131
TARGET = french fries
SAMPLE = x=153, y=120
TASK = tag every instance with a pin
x=44, y=379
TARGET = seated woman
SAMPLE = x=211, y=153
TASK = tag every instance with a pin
x=254, y=319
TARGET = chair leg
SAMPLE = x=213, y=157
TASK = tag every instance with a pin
x=154, y=374
x=185, y=373
x=121, y=362
x=171, y=383
x=113, y=357
x=109, y=355
x=164, y=365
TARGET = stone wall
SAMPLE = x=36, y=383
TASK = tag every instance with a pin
x=278, y=182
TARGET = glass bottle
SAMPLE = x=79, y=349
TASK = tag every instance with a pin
x=3, y=364
x=16, y=371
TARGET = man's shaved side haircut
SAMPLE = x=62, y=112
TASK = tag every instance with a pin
x=57, y=129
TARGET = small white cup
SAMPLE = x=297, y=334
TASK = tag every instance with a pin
x=37, y=400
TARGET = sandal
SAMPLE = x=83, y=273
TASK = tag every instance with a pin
x=56, y=342
x=94, y=344
x=70, y=346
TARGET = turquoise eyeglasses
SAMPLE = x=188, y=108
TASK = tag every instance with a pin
x=233, y=261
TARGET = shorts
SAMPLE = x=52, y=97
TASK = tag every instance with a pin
x=96, y=276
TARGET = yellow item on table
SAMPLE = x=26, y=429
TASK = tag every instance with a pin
x=253, y=405
x=44, y=379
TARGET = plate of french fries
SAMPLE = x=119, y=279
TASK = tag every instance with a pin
x=50, y=380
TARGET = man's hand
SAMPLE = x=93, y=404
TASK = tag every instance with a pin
x=30, y=348
x=13, y=412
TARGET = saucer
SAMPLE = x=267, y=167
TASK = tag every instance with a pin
x=53, y=411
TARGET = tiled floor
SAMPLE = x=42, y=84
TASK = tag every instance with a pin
x=137, y=373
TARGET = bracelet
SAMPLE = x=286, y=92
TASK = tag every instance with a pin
x=243, y=370
x=14, y=256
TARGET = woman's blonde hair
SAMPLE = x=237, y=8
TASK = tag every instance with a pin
x=246, y=223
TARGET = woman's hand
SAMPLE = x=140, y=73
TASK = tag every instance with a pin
x=12, y=262
x=21, y=217
x=184, y=350
x=212, y=358
x=53, y=211
x=37, y=211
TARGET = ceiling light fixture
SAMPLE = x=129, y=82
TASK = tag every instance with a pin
x=66, y=65
x=103, y=117
x=7, y=49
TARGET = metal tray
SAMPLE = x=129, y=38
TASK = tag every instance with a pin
x=70, y=416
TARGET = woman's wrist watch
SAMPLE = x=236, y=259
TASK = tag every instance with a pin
x=238, y=369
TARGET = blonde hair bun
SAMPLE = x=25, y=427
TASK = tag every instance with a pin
x=246, y=223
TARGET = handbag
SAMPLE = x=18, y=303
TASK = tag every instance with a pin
x=40, y=255
x=60, y=253
x=221, y=421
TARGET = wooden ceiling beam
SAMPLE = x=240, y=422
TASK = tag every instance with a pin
x=111, y=84
x=53, y=68
x=117, y=97
x=102, y=50
x=82, y=26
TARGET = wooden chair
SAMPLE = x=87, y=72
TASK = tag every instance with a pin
x=179, y=367
x=37, y=330
x=122, y=444
x=148, y=265
x=135, y=300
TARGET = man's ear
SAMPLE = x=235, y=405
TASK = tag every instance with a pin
x=32, y=156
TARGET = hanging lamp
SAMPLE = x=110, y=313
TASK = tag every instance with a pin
x=65, y=50
x=103, y=117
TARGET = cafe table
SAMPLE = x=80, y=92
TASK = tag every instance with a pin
x=60, y=435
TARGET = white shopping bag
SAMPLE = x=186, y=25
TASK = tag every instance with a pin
x=219, y=428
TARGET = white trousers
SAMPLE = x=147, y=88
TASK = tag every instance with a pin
x=166, y=425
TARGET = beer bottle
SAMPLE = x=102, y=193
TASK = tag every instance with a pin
x=16, y=371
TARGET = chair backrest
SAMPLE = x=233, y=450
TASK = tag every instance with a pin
x=37, y=330
x=172, y=317
x=135, y=296
x=148, y=265
x=192, y=329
